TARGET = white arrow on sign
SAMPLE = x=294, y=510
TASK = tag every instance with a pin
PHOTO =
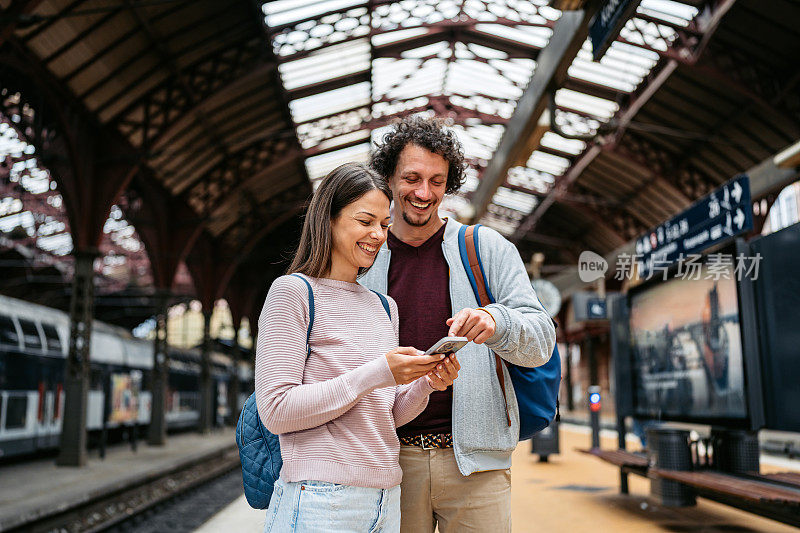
x=739, y=218
x=596, y=309
x=737, y=191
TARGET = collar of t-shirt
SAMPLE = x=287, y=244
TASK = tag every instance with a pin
x=395, y=244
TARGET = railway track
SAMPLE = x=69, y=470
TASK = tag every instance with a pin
x=110, y=509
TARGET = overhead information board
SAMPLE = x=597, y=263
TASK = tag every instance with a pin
x=721, y=215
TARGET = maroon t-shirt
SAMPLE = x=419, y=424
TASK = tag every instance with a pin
x=419, y=281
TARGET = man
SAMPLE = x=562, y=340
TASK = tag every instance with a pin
x=456, y=455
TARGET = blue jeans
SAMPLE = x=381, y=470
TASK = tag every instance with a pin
x=318, y=506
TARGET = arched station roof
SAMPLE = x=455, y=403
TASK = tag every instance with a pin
x=214, y=119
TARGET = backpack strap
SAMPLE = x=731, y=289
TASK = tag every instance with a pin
x=310, y=312
x=470, y=257
x=385, y=303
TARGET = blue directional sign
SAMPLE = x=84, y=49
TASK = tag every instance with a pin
x=719, y=216
x=608, y=22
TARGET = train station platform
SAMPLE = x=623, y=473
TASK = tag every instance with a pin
x=576, y=492
x=34, y=490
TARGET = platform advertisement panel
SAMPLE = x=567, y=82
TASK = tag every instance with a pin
x=687, y=349
x=124, y=397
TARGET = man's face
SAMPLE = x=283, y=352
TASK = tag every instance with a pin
x=418, y=185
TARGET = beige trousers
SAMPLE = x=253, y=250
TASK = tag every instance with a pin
x=434, y=492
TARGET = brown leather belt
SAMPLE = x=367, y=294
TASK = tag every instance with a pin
x=429, y=440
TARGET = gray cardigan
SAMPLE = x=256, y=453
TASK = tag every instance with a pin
x=525, y=336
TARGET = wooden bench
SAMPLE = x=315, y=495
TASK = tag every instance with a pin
x=791, y=479
x=627, y=461
x=775, y=496
x=765, y=495
x=730, y=485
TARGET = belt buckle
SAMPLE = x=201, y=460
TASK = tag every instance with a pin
x=422, y=443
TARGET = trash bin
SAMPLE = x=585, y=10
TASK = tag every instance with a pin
x=546, y=442
x=735, y=451
x=668, y=449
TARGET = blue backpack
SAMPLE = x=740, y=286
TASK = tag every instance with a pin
x=536, y=389
x=260, y=450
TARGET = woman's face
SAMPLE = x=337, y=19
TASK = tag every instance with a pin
x=359, y=231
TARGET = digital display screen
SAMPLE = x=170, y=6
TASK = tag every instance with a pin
x=687, y=349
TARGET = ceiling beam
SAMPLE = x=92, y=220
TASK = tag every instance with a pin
x=623, y=117
x=568, y=36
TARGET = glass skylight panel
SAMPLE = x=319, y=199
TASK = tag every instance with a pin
x=386, y=73
x=516, y=200
x=471, y=181
x=557, y=142
x=282, y=12
x=454, y=205
x=59, y=244
x=427, y=79
x=630, y=55
x=502, y=225
x=479, y=142
x=319, y=166
x=330, y=102
x=312, y=133
x=519, y=11
x=411, y=13
x=484, y=105
x=332, y=62
x=380, y=39
x=530, y=179
x=23, y=219
x=516, y=70
x=486, y=52
x=427, y=51
x=462, y=80
x=381, y=109
x=534, y=36
x=552, y=164
x=595, y=73
x=342, y=139
x=591, y=105
x=674, y=12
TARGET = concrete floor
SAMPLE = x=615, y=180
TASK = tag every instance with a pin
x=575, y=493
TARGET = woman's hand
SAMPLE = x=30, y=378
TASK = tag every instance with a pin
x=408, y=364
x=444, y=374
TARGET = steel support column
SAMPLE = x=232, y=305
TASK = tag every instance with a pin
x=72, y=450
x=157, y=433
x=206, y=398
x=233, y=387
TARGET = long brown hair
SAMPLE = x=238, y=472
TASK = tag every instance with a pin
x=341, y=187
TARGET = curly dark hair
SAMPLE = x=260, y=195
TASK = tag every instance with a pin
x=428, y=133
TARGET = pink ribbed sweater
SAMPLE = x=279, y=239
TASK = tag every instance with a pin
x=335, y=412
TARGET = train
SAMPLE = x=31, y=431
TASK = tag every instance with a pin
x=34, y=340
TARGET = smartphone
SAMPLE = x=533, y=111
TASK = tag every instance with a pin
x=447, y=345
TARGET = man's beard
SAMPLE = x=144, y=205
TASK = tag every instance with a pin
x=416, y=224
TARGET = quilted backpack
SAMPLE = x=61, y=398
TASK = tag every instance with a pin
x=260, y=450
x=536, y=389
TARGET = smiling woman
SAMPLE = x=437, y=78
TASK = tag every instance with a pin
x=345, y=224
x=331, y=380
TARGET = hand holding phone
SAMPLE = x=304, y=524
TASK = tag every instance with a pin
x=447, y=345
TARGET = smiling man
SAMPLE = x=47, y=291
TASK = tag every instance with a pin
x=456, y=455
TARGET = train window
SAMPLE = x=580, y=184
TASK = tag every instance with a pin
x=16, y=412
x=30, y=334
x=52, y=338
x=8, y=333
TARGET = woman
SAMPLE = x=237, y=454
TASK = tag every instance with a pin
x=336, y=403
